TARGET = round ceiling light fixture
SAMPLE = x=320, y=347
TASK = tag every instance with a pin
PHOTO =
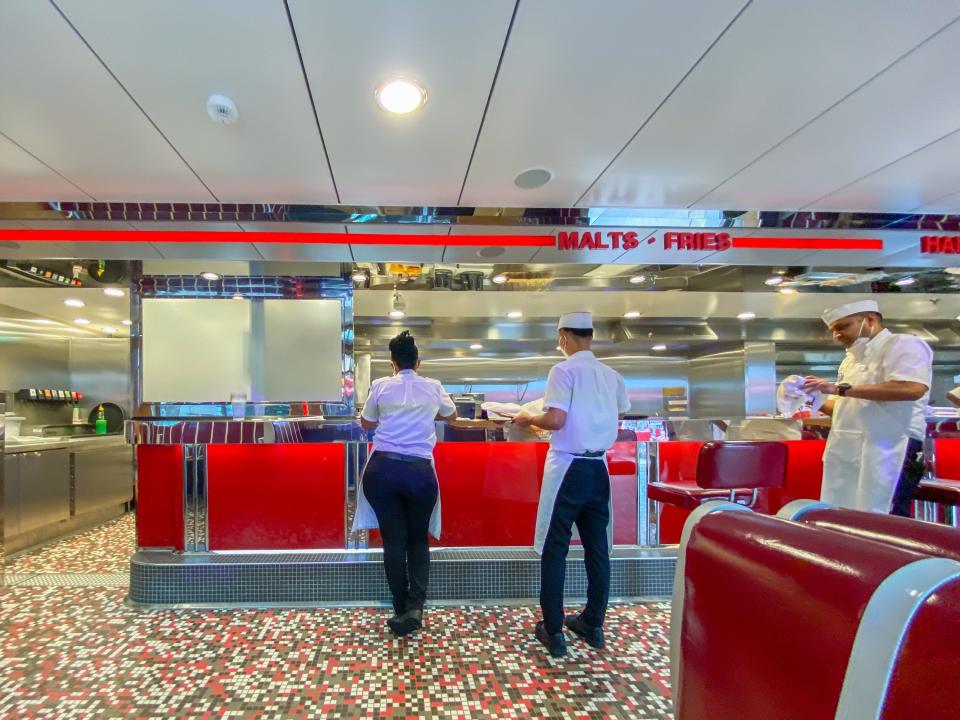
x=73, y=302
x=211, y=276
x=637, y=279
x=632, y=314
x=746, y=315
x=222, y=110
x=399, y=308
x=400, y=96
x=499, y=279
x=533, y=178
x=238, y=296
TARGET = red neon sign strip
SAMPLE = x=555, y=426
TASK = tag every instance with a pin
x=298, y=238
x=802, y=243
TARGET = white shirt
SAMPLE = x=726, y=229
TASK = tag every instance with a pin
x=899, y=357
x=405, y=406
x=593, y=396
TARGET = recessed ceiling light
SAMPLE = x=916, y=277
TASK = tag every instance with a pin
x=109, y=330
x=904, y=282
x=746, y=315
x=209, y=276
x=73, y=302
x=637, y=279
x=82, y=321
x=632, y=314
x=222, y=110
x=476, y=346
x=499, y=279
x=359, y=276
x=400, y=97
x=773, y=280
x=787, y=291
x=238, y=296
x=514, y=314
x=659, y=348
x=531, y=179
x=397, y=314
x=126, y=322
x=113, y=292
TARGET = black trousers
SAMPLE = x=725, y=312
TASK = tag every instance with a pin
x=584, y=499
x=403, y=495
x=910, y=476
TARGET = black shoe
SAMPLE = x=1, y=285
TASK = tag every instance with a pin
x=555, y=643
x=593, y=635
x=407, y=623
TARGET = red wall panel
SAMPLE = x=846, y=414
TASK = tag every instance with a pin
x=947, y=453
x=276, y=497
x=160, y=496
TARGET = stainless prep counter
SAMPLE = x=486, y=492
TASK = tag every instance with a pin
x=15, y=445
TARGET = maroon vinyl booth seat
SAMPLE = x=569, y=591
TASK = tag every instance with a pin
x=840, y=615
x=733, y=471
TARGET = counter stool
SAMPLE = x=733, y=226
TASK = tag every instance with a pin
x=733, y=470
x=934, y=492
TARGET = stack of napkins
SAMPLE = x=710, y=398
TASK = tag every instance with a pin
x=791, y=398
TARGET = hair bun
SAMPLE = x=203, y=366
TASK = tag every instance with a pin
x=403, y=340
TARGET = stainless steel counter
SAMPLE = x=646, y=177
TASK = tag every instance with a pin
x=16, y=445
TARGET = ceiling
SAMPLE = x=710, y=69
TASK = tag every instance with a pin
x=700, y=104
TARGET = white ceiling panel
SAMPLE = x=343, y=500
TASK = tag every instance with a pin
x=567, y=102
x=866, y=131
x=946, y=204
x=172, y=56
x=398, y=253
x=291, y=252
x=451, y=48
x=58, y=102
x=472, y=254
x=23, y=177
x=781, y=64
x=919, y=179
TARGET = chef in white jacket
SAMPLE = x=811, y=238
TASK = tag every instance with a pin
x=871, y=460
x=582, y=403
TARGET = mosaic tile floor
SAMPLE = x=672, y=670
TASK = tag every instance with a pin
x=105, y=549
x=80, y=653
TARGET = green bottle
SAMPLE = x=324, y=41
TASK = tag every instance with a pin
x=100, y=426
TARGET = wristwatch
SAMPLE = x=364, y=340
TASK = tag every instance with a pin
x=843, y=389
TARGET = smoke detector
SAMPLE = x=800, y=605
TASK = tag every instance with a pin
x=222, y=110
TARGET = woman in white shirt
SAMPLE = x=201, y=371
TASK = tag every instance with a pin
x=399, y=483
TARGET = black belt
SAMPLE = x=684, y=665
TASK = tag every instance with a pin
x=590, y=453
x=399, y=457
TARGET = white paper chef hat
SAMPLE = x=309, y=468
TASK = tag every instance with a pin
x=852, y=308
x=576, y=321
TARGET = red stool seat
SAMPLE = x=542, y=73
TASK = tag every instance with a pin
x=689, y=497
x=942, y=492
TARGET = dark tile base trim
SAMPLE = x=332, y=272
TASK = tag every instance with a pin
x=163, y=579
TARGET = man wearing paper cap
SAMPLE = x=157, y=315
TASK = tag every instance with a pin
x=873, y=458
x=582, y=403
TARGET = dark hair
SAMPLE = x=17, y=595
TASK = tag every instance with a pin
x=403, y=351
x=579, y=332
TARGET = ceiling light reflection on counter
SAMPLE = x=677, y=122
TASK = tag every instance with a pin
x=905, y=282
x=82, y=321
x=787, y=291
x=514, y=314
x=110, y=330
x=773, y=280
x=359, y=277
x=113, y=292
x=126, y=322
x=73, y=302
x=499, y=279
x=209, y=276
x=637, y=279
x=476, y=346
x=400, y=96
x=659, y=348
x=746, y=315
x=632, y=314
x=238, y=296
